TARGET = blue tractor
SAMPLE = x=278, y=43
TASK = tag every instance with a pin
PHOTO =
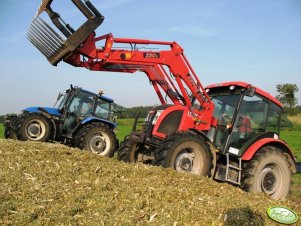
x=80, y=119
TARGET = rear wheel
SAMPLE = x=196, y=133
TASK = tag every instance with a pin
x=185, y=152
x=34, y=127
x=268, y=172
x=97, y=137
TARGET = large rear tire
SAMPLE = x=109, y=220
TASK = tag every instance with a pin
x=269, y=172
x=185, y=152
x=131, y=151
x=33, y=127
x=97, y=137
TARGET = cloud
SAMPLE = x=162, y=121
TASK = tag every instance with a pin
x=193, y=30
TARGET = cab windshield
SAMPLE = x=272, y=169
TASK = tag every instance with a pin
x=225, y=106
x=82, y=104
x=103, y=109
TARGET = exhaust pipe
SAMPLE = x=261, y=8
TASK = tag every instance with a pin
x=50, y=43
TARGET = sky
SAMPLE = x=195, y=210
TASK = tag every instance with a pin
x=257, y=41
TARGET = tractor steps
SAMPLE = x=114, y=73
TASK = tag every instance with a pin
x=237, y=167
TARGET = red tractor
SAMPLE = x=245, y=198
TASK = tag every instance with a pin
x=228, y=131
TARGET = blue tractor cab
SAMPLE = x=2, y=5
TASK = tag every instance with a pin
x=80, y=118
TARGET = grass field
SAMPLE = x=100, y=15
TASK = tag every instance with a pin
x=293, y=139
x=124, y=127
x=295, y=119
x=1, y=131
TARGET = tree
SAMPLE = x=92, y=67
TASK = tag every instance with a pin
x=142, y=111
x=286, y=95
x=1, y=118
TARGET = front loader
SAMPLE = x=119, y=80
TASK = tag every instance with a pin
x=227, y=131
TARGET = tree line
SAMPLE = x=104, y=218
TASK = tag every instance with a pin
x=133, y=112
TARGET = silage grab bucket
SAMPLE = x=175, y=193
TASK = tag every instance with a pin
x=56, y=42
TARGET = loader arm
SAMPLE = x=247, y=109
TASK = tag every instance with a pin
x=168, y=70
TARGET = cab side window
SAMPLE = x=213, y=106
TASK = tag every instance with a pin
x=250, y=121
x=274, y=115
x=103, y=109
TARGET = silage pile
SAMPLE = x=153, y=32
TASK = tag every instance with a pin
x=46, y=184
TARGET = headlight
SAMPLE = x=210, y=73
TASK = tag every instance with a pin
x=159, y=112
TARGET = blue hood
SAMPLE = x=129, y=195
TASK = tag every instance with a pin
x=51, y=111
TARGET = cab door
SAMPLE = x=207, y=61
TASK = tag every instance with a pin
x=250, y=122
x=224, y=111
x=80, y=107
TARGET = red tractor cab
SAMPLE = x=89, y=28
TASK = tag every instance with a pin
x=244, y=114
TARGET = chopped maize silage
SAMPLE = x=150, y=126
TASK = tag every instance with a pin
x=51, y=184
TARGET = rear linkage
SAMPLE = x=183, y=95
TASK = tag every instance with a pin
x=50, y=43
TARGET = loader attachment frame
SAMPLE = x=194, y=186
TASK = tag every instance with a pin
x=49, y=42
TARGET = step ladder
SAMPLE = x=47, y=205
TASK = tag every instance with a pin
x=230, y=167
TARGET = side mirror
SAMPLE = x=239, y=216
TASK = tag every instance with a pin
x=251, y=92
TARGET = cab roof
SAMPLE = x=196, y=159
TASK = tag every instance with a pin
x=246, y=85
x=100, y=96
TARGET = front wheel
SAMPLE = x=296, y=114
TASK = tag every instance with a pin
x=185, y=152
x=268, y=172
x=127, y=150
x=131, y=151
x=34, y=127
x=97, y=137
